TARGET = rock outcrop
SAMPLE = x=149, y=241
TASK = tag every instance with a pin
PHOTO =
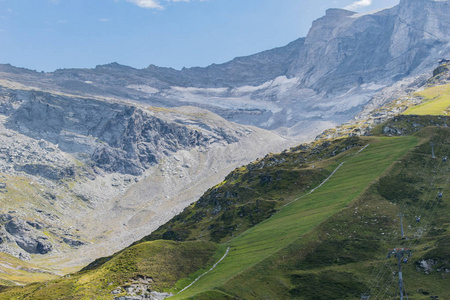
x=117, y=137
x=26, y=238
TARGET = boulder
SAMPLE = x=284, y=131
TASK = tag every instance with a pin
x=27, y=239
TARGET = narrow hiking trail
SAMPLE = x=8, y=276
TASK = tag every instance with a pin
x=310, y=192
x=212, y=268
x=326, y=179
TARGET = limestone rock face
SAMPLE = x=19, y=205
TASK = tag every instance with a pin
x=419, y=28
x=345, y=49
x=117, y=137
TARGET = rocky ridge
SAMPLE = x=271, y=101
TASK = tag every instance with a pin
x=93, y=175
x=366, y=121
x=348, y=62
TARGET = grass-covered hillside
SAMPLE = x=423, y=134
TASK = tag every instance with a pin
x=436, y=101
x=14, y=270
x=435, y=96
x=153, y=265
x=287, y=242
x=313, y=222
x=295, y=222
x=253, y=193
x=345, y=255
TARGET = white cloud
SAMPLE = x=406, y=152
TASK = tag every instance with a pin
x=359, y=4
x=156, y=3
x=103, y=20
x=147, y=3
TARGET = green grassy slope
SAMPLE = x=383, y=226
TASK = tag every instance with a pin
x=253, y=193
x=346, y=255
x=300, y=217
x=330, y=244
x=162, y=263
x=14, y=271
x=436, y=101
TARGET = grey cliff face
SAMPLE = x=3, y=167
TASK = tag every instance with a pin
x=117, y=137
x=344, y=49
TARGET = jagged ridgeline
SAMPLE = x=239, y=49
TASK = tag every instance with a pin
x=286, y=242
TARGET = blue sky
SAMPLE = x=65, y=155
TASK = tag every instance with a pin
x=45, y=35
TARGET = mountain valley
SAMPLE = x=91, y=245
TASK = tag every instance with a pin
x=279, y=175
x=79, y=173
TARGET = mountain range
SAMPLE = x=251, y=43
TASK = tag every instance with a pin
x=311, y=222
x=92, y=160
x=345, y=62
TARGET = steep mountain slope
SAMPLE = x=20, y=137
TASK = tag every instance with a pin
x=92, y=160
x=346, y=255
x=86, y=175
x=332, y=241
x=344, y=48
x=303, y=215
x=312, y=222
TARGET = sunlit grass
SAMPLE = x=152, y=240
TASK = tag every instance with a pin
x=302, y=216
x=436, y=102
x=14, y=271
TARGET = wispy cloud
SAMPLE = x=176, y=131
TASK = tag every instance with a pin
x=147, y=3
x=359, y=4
x=157, y=4
x=103, y=20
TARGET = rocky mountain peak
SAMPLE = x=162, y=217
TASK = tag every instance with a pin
x=382, y=46
x=114, y=66
x=329, y=25
x=338, y=13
